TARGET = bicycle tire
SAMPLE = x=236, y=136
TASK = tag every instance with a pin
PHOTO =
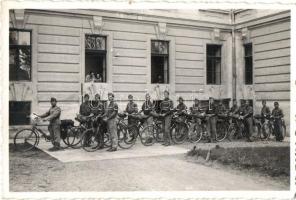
x=74, y=136
x=25, y=146
x=89, y=141
x=265, y=132
x=179, y=133
x=125, y=135
x=197, y=133
x=158, y=133
x=284, y=131
x=221, y=132
x=151, y=140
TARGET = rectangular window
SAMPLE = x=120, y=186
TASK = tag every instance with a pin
x=19, y=55
x=19, y=112
x=248, y=64
x=95, y=58
x=213, y=64
x=159, y=61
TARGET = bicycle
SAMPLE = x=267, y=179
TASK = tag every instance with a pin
x=74, y=134
x=28, y=138
x=267, y=128
x=90, y=138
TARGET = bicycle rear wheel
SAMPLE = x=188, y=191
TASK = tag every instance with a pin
x=158, y=132
x=196, y=135
x=179, y=133
x=89, y=141
x=221, y=132
x=74, y=136
x=146, y=135
x=25, y=140
x=126, y=137
x=265, y=132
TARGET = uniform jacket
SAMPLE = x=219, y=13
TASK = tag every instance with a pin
x=97, y=108
x=111, y=110
x=147, y=107
x=195, y=109
x=131, y=108
x=85, y=109
x=248, y=112
x=166, y=105
x=277, y=112
x=234, y=109
x=181, y=107
x=265, y=110
x=53, y=115
x=212, y=109
x=221, y=109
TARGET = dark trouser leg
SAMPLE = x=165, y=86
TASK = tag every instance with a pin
x=249, y=126
x=211, y=127
x=112, y=128
x=167, y=125
x=57, y=134
x=278, y=130
x=51, y=133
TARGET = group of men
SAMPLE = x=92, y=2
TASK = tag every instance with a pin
x=106, y=116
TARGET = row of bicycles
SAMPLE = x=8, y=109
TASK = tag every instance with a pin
x=184, y=128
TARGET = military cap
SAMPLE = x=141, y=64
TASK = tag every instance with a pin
x=52, y=99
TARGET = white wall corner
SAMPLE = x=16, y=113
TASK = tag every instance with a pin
x=216, y=34
x=245, y=35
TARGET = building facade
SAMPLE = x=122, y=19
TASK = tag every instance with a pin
x=226, y=54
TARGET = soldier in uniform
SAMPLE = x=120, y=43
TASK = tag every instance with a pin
x=278, y=114
x=221, y=110
x=234, y=111
x=265, y=111
x=110, y=117
x=181, y=108
x=196, y=111
x=84, y=110
x=97, y=108
x=53, y=116
x=166, y=107
x=212, y=119
x=147, y=109
x=248, y=120
x=131, y=108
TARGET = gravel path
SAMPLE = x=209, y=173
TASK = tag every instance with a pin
x=37, y=171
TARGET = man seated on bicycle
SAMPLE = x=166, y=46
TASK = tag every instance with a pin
x=131, y=108
x=166, y=108
x=212, y=119
x=97, y=108
x=84, y=110
x=180, y=110
x=196, y=112
x=247, y=117
x=265, y=111
x=147, y=109
x=234, y=113
x=278, y=114
x=53, y=116
x=221, y=110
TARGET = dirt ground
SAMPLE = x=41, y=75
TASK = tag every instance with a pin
x=37, y=171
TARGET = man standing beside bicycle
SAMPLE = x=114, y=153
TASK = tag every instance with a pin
x=212, y=120
x=53, y=116
x=196, y=112
x=147, y=109
x=247, y=117
x=166, y=108
x=131, y=108
x=99, y=127
x=110, y=117
x=278, y=114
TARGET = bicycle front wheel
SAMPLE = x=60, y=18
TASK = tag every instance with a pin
x=147, y=135
x=126, y=137
x=221, y=132
x=89, y=141
x=179, y=133
x=196, y=135
x=25, y=140
x=74, y=136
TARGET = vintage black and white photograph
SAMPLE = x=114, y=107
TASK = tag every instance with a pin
x=121, y=100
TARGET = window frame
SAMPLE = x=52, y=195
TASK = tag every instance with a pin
x=17, y=47
x=30, y=111
x=249, y=44
x=213, y=58
x=100, y=52
x=167, y=56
